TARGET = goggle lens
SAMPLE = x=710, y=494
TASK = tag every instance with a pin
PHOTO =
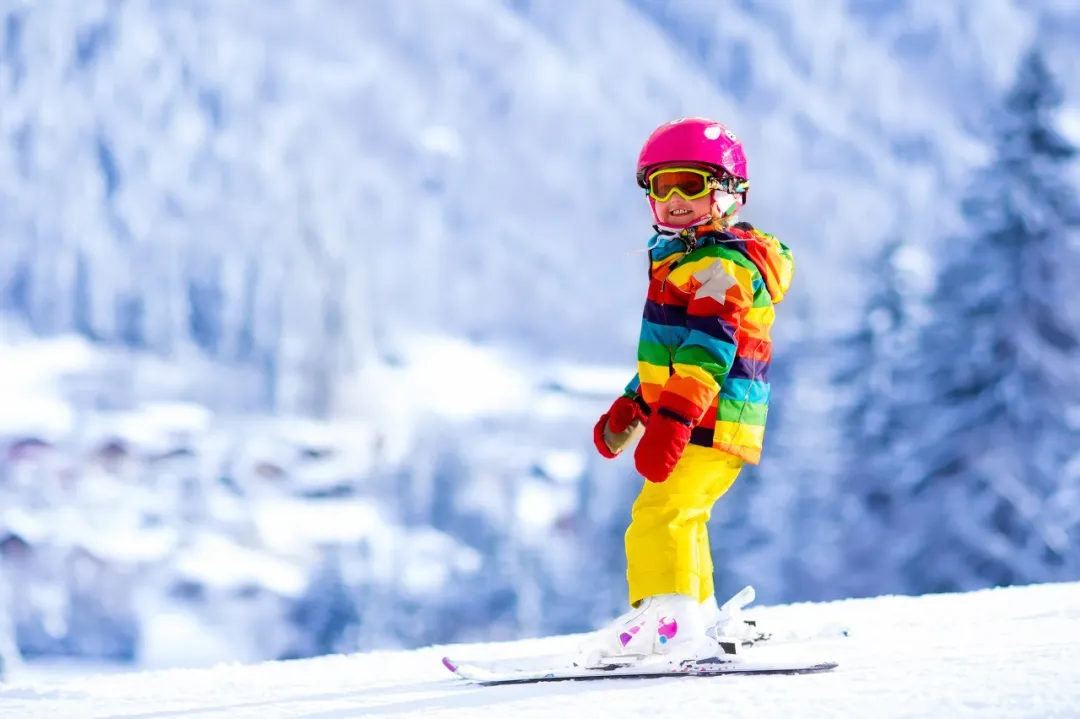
x=688, y=182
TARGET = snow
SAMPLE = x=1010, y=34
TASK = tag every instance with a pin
x=166, y=164
x=218, y=562
x=172, y=637
x=426, y=570
x=213, y=193
x=536, y=507
x=450, y=377
x=201, y=508
x=585, y=379
x=1002, y=653
x=1069, y=124
x=155, y=422
x=29, y=374
x=563, y=465
x=285, y=522
x=131, y=546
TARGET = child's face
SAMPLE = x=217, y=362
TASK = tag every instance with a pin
x=677, y=211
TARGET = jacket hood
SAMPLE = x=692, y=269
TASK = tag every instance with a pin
x=771, y=256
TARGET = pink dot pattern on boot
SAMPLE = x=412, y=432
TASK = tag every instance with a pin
x=667, y=630
x=625, y=638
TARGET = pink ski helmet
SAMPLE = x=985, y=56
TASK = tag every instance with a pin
x=696, y=141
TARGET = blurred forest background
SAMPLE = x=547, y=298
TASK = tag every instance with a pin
x=307, y=312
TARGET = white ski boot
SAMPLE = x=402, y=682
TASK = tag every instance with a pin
x=726, y=623
x=669, y=626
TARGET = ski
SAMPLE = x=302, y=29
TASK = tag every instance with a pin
x=732, y=631
x=734, y=625
x=751, y=636
x=495, y=673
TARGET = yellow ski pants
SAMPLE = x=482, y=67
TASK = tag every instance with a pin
x=667, y=542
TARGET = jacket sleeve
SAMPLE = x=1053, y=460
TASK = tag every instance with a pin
x=722, y=292
x=633, y=391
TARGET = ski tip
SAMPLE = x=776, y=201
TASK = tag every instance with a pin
x=449, y=664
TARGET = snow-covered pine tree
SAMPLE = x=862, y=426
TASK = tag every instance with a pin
x=775, y=527
x=801, y=485
x=869, y=379
x=750, y=522
x=999, y=379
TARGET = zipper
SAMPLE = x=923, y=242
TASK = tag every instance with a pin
x=691, y=244
x=663, y=286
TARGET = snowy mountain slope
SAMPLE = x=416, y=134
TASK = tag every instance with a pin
x=279, y=188
x=996, y=653
x=960, y=53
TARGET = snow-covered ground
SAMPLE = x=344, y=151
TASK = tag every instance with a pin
x=245, y=535
x=995, y=653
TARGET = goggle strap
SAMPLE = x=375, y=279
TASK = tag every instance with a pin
x=727, y=182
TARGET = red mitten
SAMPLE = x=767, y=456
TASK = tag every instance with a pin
x=618, y=426
x=661, y=446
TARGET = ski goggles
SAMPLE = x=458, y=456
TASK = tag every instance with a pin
x=692, y=183
x=689, y=182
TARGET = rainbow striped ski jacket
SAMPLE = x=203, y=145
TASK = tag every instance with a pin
x=705, y=348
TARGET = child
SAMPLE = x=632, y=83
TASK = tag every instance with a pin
x=699, y=399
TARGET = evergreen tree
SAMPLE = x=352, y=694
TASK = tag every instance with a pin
x=775, y=527
x=986, y=483
x=875, y=427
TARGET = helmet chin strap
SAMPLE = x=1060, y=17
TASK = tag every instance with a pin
x=676, y=229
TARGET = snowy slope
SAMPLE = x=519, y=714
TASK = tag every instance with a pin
x=292, y=184
x=996, y=653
